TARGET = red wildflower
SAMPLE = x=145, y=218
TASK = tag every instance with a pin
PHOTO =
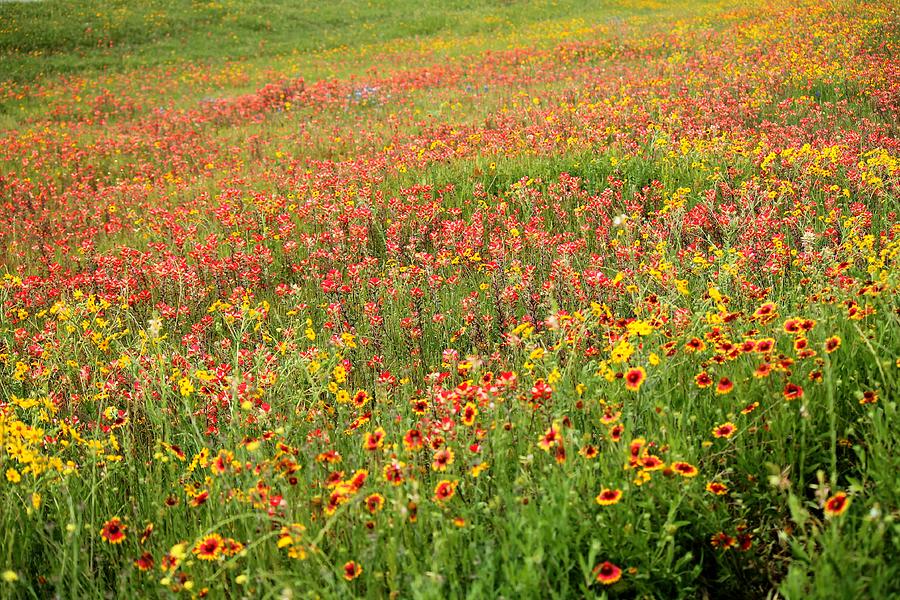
x=837, y=505
x=550, y=438
x=374, y=502
x=352, y=570
x=210, y=547
x=413, y=440
x=607, y=497
x=445, y=490
x=703, y=380
x=725, y=430
x=724, y=386
x=684, y=469
x=723, y=541
x=792, y=391
x=144, y=562
x=607, y=573
x=541, y=391
x=469, y=414
x=113, y=531
x=719, y=489
x=634, y=378
x=869, y=397
x=442, y=459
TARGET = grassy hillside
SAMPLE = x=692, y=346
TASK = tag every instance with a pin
x=72, y=36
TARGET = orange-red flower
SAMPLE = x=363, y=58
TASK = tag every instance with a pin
x=832, y=344
x=792, y=391
x=609, y=417
x=725, y=430
x=559, y=454
x=723, y=541
x=724, y=386
x=837, y=505
x=360, y=398
x=719, y=489
x=374, y=502
x=442, y=459
x=113, y=531
x=793, y=326
x=684, y=469
x=652, y=463
x=766, y=312
x=590, y=451
x=221, y=462
x=329, y=457
x=352, y=570
x=607, y=573
x=445, y=490
x=634, y=378
x=144, y=562
x=469, y=413
x=358, y=479
x=763, y=371
x=765, y=345
x=695, y=345
x=703, y=380
x=550, y=438
x=145, y=535
x=210, y=547
x=869, y=397
x=413, y=441
x=608, y=497
x=615, y=434
x=393, y=472
x=374, y=440
x=232, y=547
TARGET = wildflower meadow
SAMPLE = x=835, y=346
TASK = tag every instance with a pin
x=397, y=299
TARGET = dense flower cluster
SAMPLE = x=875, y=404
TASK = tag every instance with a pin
x=373, y=333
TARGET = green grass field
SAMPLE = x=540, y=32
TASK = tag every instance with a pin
x=48, y=38
x=522, y=299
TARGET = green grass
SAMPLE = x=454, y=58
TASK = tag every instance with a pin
x=64, y=36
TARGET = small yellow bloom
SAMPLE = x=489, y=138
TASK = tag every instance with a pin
x=185, y=387
x=640, y=328
x=179, y=551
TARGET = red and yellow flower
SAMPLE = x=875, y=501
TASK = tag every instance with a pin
x=608, y=497
x=352, y=570
x=113, y=531
x=684, y=469
x=634, y=378
x=445, y=490
x=717, y=488
x=209, y=547
x=607, y=573
x=837, y=505
x=725, y=430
